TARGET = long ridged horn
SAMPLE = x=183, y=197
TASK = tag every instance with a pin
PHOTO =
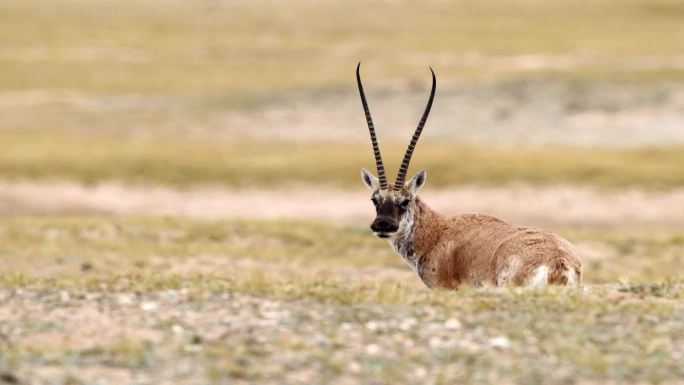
x=371, y=128
x=414, y=140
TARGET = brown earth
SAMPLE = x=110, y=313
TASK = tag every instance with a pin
x=550, y=206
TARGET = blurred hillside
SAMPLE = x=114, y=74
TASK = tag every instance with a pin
x=145, y=90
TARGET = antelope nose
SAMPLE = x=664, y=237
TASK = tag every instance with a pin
x=383, y=225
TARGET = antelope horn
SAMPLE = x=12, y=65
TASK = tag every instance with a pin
x=414, y=140
x=371, y=128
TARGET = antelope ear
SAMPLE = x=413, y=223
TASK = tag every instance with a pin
x=369, y=179
x=416, y=182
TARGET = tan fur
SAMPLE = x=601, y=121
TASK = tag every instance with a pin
x=479, y=249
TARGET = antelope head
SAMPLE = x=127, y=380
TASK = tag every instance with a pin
x=394, y=205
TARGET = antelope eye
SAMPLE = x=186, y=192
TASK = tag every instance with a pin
x=405, y=203
x=374, y=200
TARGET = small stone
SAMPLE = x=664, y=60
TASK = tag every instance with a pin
x=372, y=349
x=500, y=342
x=372, y=326
x=320, y=339
x=124, y=299
x=346, y=326
x=149, y=306
x=177, y=329
x=420, y=372
x=407, y=324
x=64, y=296
x=452, y=323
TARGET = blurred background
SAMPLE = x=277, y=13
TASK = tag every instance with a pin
x=561, y=115
x=170, y=138
x=547, y=113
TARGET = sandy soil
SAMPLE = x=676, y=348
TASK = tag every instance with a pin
x=521, y=204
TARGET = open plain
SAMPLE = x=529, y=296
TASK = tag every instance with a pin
x=180, y=200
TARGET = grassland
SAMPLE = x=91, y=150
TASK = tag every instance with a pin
x=260, y=95
x=95, y=91
x=120, y=246
x=253, y=48
x=309, y=302
x=245, y=163
x=545, y=337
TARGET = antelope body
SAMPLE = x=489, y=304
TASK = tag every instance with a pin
x=474, y=249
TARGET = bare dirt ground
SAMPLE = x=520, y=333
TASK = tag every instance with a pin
x=564, y=205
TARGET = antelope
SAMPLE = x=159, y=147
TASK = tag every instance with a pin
x=471, y=249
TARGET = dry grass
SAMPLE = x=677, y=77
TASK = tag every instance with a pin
x=208, y=46
x=291, y=252
x=269, y=164
x=113, y=90
x=188, y=302
x=617, y=334
x=89, y=88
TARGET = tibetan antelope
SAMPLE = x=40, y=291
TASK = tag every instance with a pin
x=474, y=249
